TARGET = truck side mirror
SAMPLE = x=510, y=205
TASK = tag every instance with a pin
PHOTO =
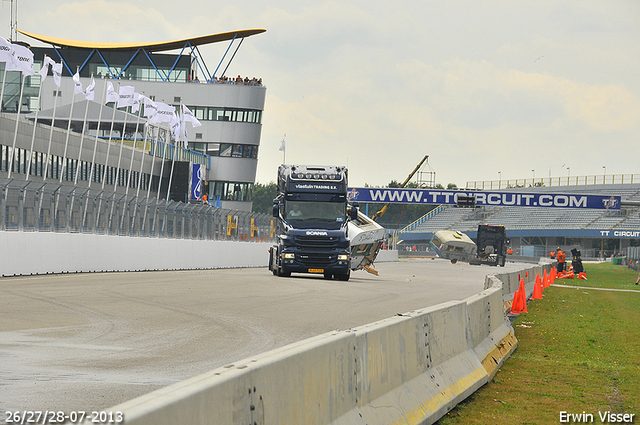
x=354, y=211
x=276, y=208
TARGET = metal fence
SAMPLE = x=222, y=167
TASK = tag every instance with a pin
x=51, y=207
x=555, y=181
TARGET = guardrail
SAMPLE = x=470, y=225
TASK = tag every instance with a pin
x=53, y=207
x=410, y=368
x=555, y=181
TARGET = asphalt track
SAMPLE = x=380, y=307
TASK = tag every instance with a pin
x=90, y=341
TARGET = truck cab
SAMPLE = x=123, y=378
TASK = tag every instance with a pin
x=311, y=215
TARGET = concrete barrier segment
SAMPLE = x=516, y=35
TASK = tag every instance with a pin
x=312, y=381
x=416, y=366
x=488, y=330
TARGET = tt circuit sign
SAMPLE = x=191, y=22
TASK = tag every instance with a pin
x=481, y=198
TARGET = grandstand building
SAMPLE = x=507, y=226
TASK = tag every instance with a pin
x=126, y=157
x=535, y=231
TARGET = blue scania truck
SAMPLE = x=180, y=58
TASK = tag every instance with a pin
x=311, y=216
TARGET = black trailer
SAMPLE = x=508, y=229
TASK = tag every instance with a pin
x=492, y=245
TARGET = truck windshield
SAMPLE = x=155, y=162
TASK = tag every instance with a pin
x=305, y=213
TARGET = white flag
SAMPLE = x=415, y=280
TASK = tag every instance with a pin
x=175, y=126
x=282, y=145
x=56, y=68
x=112, y=96
x=150, y=108
x=164, y=113
x=125, y=94
x=7, y=54
x=188, y=116
x=137, y=100
x=44, y=71
x=23, y=60
x=78, y=84
x=90, y=91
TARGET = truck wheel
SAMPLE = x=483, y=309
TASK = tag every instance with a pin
x=345, y=276
x=453, y=261
x=273, y=270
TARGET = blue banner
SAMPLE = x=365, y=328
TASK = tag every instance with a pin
x=482, y=198
x=197, y=177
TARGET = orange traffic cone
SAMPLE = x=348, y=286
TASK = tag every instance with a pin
x=537, y=289
x=515, y=305
x=545, y=280
x=519, y=300
x=582, y=275
x=552, y=280
x=519, y=304
x=523, y=296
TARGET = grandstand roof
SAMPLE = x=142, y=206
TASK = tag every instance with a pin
x=148, y=46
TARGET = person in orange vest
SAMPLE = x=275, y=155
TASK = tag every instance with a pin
x=561, y=260
x=552, y=255
x=205, y=199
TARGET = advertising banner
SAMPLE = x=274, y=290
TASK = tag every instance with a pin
x=196, y=180
x=483, y=198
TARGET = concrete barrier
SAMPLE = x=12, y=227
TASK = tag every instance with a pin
x=407, y=369
x=416, y=367
x=28, y=253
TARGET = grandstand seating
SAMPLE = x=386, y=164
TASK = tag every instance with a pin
x=465, y=219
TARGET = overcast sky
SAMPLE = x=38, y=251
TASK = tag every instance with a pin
x=489, y=89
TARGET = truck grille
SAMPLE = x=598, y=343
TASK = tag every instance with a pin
x=316, y=242
x=317, y=259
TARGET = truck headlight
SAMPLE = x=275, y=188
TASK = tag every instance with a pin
x=343, y=257
x=288, y=255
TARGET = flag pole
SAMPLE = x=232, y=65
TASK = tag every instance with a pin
x=144, y=150
x=164, y=154
x=113, y=118
x=66, y=142
x=53, y=120
x=283, y=148
x=95, y=148
x=175, y=148
x=15, y=134
x=78, y=166
x=84, y=125
x=35, y=121
x=133, y=153
x=154, y=144
x=124, y=128
x=4, y=81
x=106, y=162
x=117, y=181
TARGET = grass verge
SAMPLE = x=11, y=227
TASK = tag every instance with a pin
x=578, y=352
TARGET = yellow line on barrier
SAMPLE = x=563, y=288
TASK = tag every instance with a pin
x=503, y=349
x=427, y=408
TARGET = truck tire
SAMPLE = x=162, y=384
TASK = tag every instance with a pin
x=271, y=267
x=345, y=276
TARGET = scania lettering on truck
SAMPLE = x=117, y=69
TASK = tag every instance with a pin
x=311, y=213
